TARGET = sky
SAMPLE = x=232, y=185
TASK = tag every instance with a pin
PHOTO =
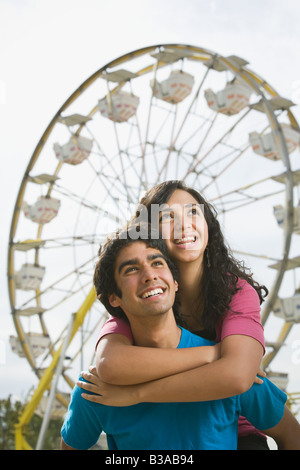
x=49, y=47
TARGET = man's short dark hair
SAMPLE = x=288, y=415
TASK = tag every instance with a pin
x=104, y=275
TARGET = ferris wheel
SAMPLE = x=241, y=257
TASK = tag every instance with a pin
x=163, y=112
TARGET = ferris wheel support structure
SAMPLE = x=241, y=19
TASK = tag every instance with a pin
x=45, y=382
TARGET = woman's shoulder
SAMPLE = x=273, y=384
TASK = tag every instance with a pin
x=245, y=303
x=114, y=322
x=243, y=316
x=115, y=325
x=246, y=292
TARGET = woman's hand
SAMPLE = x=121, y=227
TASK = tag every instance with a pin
x=259, y=380
x=106, y=394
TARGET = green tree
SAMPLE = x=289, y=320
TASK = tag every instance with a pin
x=10, y=411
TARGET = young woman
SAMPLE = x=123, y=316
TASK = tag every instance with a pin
x=218, y=300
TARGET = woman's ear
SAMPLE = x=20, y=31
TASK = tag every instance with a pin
x=176, y=286
x=114, y=300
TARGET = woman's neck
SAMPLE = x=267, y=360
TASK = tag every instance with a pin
x=190, y=294
x=190, y=275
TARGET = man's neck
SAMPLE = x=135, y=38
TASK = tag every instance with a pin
x=156, y=332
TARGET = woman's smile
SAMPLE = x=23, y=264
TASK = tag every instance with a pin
x=186, y=242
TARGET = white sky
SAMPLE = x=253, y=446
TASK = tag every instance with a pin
x=49, y=47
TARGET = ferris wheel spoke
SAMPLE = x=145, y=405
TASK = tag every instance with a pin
x=109, y=183
x=189, y=111
x=122, y=176
x=236, y=155
x=68, y=241
x=209, y=152
x=246, y=200
x=146, y=138
x=81, y=201
x=142, y=176
x=184, y=120
x=206, y=134
x=242, y=198
x=66, y=295
x=85, y=267
x=170, y=114
x=87, y=337
x=256, y=255
x=109, y=164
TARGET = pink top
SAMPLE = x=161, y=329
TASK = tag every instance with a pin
x=116, y=326
x=243, y=318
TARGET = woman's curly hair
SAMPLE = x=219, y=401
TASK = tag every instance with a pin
x=222, y=272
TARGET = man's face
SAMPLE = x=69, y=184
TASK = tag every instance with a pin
x=145, y=280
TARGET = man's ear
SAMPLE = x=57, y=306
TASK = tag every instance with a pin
x=176, y=286
x=114, y=300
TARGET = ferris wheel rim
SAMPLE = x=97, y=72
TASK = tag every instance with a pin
x=252, y=77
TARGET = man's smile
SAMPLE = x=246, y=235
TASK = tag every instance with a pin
x=152, y=292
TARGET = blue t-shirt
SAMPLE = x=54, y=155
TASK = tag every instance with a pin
x=207, y=425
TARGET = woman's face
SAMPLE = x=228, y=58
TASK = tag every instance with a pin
x=184, y=227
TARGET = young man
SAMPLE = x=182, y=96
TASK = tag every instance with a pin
x=137, y=280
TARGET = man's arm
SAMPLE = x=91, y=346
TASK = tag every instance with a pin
x=265, y=407
x=64, y=446
x=286, y=433
x=82, y=424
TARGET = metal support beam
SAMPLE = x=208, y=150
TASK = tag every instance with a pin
x=45, y=382
x=51, y=398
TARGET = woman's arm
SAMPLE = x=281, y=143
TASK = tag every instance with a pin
x=120, y=363
x=232, y=374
